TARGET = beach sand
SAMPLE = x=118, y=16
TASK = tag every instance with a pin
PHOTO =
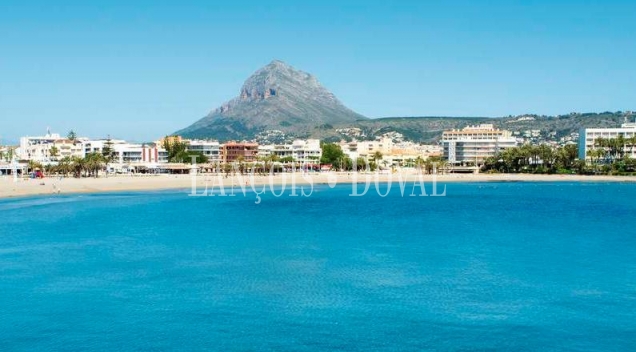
x=114, y=183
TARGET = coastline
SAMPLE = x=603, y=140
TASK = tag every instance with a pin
x=103, y=184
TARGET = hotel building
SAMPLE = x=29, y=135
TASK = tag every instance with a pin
x=588, y=137
x=473, y=144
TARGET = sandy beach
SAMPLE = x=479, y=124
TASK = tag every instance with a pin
x=32, y=187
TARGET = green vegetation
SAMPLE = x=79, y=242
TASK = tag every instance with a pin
x=71, y=136
x=331, y=154
x=287, y=159
x=108, y=152
x=178, y=153
x=88, y=166
x=607, y=159
x=54, y=152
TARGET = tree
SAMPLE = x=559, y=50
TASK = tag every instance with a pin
x=419, y=162
x=72, y=136
x=361, y=164
x=54, y=152
x=434, y=163
x=178, y=153
x=108, y=152
x=345, y=164
x=241, y=163
x=77, y=165
x=93, y=162
x=287, y=159
x=33, y=165
x=566, y=156
x=332, y=154
x=65, y=166
x=377, y=156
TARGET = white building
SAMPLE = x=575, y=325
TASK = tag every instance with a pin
x=367, y=149
x=39, y=148
x=588, y=137
x=406, y=153
x=98, y=145
x=148, y=155
x=473, y=144
x=127, y=153
x=306, y=151
x=302, y=151
x=211, y=149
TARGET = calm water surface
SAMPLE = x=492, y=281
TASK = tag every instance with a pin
x=497, y=266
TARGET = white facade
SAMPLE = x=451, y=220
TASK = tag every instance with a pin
x=302, y=151
x=402, y=153
x=474, y=144
x=39, y=148
x=588, y=136
x=367, y=149
x=139, y=153
x=211, y=149
x=127, y=153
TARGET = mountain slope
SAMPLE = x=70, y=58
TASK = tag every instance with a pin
x=276, y=97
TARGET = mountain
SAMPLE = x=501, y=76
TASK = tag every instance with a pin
x=276, y=97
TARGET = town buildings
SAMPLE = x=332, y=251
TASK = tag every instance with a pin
x=469, y=146
x=392, y=152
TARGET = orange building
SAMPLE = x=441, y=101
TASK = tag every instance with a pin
x=170, y=139
x=233, y=151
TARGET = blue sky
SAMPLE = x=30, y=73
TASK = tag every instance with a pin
x=139, y=71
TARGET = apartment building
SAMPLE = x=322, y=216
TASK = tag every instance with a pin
x=473, y=144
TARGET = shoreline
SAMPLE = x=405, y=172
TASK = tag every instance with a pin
x=115, y=183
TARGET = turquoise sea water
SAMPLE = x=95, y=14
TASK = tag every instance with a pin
x=492, y=266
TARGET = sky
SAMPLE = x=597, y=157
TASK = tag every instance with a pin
x=139, y=70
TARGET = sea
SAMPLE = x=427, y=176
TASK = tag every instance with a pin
x=486, y=266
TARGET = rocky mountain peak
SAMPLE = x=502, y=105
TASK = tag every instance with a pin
x=277, y=96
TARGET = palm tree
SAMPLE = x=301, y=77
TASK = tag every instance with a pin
x=632, y=143
x=377, y=156
x=241, y=164
x=78, y=166
x=94, y=162
x=54, y=153
x=10, y=154
x=419, y=162
x=65, y=165
x=32, y=165
x=619, y=146
x=361, y=164
x=566, y=156
x=546, y=155
x=435, y=163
